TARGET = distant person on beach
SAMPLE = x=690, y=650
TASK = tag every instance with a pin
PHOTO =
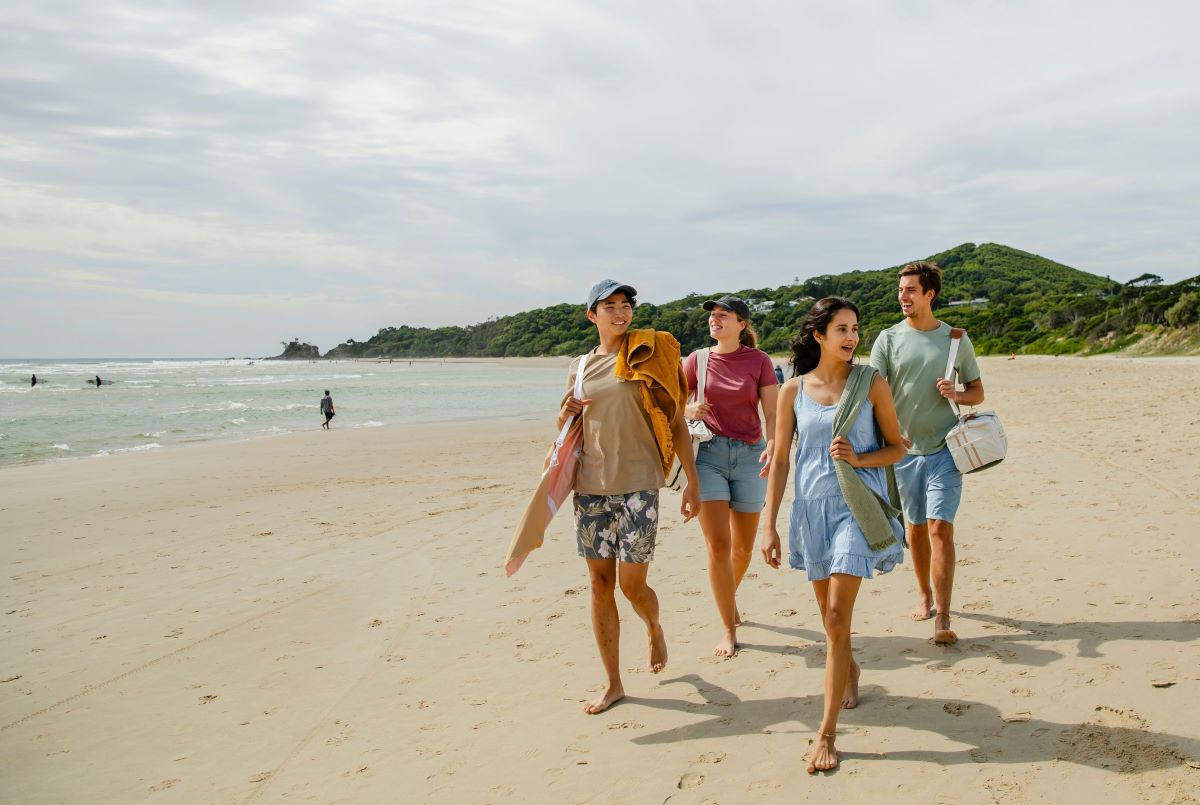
x=327, y=409
x=733, y=464
x=912, y=356
x=839, y=533
x=778, y=375
x=98, y=381
x=632, y=419
x=33, y=381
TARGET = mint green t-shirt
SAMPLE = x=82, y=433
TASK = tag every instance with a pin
x=911, y=361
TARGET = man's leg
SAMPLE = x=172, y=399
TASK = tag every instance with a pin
x=918, y=544
x=645, y=604
x=941, y=539
x=606, y=626
x=910, y=479
x=944, y=492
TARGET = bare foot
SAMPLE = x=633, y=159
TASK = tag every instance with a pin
x=924, y=610
x=850, y=694
x=941, y=631
x=824, y=756
x=728, y=645
x=658, y=649
x=611, y=696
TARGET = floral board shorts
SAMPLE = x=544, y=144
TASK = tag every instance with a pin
x=624, y=526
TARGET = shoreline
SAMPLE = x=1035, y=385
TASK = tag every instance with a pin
x=540, y=362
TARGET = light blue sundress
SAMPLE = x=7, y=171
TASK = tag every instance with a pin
x=823, y=536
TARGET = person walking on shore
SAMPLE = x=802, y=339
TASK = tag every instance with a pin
x=840, y=530
x=733, y=465
x=33, y=381
x=327, y=409
x=912, y=356
x=632, y=419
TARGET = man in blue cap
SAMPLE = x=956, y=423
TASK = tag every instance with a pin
x=632, y=420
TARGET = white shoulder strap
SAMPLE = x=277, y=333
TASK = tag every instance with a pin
x=583, y=359
x=578, y=394
x=701, y=373
x=956, y=334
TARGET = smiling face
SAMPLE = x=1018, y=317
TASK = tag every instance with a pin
x=612, y=315
x=915, y=302
x=840, y=338
x=724, y=323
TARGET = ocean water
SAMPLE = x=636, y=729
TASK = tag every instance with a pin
x=158, y=404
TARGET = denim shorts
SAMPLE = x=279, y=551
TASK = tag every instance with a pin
x=728, y=470
x=930, y=487
x=621, y=526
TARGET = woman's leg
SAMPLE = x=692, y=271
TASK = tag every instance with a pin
x=837, y=612
x=744, y=527
x=714, y=521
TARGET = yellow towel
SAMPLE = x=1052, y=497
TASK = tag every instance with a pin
x=652, y=358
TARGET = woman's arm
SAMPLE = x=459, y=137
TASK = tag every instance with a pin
x=885, y=416
x=777, y=477
x=768, y=398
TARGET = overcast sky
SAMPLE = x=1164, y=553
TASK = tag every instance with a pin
x=210, y=178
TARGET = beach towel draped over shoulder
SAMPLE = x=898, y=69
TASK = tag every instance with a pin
x=651, y=357
x=871, y=512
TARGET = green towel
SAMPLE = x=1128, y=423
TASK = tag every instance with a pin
x=872, y=512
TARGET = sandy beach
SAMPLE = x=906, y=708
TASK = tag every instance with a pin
x=322, y=617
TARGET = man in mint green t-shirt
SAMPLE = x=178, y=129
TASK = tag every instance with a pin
x=912, y=356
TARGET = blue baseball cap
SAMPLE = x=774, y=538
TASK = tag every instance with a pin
x=606, y=288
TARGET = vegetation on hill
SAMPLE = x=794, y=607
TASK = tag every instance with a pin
x=1008, y=300
x=297, y=350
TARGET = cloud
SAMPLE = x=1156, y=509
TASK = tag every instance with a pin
x=432, y=163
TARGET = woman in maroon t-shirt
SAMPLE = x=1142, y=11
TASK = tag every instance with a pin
x=740, y=379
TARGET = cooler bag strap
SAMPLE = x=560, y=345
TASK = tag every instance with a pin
x=956, y=334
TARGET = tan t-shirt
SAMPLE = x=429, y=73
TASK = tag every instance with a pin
x=619, y=453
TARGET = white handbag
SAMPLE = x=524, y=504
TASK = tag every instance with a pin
x=977, y=441
x=700, y=432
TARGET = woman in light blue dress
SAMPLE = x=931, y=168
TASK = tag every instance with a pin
x=825, y=539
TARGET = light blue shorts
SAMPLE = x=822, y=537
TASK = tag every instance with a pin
x=930, y=487
x=728, y=470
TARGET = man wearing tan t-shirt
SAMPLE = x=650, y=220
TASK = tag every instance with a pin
x=617, y=486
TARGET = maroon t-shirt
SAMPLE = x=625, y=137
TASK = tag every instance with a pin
x=731, y=388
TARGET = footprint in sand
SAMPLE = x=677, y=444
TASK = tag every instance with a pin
x=690, y=780
x=956, y=708
x=165, y=784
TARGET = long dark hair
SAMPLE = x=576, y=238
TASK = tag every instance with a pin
x=806, y=352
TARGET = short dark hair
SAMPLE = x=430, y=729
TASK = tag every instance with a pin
x=927, y=273
x=326, y=391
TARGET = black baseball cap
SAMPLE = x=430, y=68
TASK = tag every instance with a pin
x=732, y=303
